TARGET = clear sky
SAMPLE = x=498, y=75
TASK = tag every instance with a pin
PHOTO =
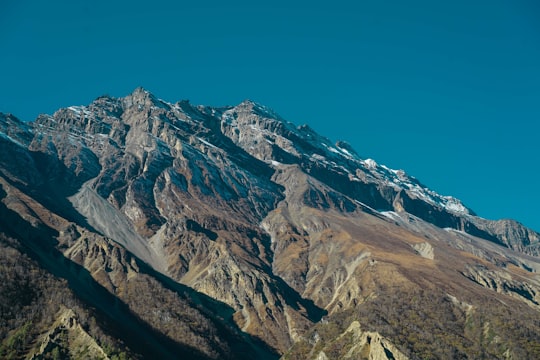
x=449, y=91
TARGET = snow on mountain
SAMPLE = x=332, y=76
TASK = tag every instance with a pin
x=261, y=121
x=260, y=132
x=275, y=222
x=255, y=127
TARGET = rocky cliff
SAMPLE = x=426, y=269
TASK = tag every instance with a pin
x=232, y=233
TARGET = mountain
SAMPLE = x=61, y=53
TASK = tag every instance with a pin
x=161, y=230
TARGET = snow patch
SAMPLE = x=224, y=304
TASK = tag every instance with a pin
x=456, y=231
x=455, y=205
x=391, y=215
x=370, y=164
x=78, y=110
x=335, y=151
x=229, y=117
x=275, y=163
x=345, y=152
x=207, y=143
x=364, y=205
x=7, y=137
x=318, y=157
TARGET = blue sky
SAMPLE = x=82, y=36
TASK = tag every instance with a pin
x=448, y=91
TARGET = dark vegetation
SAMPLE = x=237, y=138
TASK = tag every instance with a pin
x=189, y=317
x=154, y=318
x=424, y=324
x=30, y=301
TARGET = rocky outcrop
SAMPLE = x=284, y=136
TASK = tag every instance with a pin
x=424, y=249
x=266, y=136
x=67, y=334
x=503, y=282
x=513, y=235
x=353, y=343
x=369, y=344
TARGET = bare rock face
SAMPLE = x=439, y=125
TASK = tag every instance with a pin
x=67, y=326
x=232, y=233
x=514, y=235
x=425, y=250
x=353, y=343
x=370, y=345
x=505, y=283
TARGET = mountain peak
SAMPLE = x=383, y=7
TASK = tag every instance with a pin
x=186, y=213
x=248, y=102
x=139, y=90
x=142, y=98
x=253, y=107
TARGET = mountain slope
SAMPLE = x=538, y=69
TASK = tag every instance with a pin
x=262, y=232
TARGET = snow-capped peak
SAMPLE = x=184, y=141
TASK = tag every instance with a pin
x=370, y=164
x=400, y=180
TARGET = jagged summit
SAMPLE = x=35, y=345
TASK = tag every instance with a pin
x=141, y=97
x=139, y=90
x=258, y=130
x=249, y=103
x=250, y=106
x=255, y=105
x=142, y=93
x=261, y=132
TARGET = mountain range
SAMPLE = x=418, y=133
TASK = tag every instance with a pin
x=137, y=228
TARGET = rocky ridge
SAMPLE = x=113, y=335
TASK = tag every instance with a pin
x=255, y=227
